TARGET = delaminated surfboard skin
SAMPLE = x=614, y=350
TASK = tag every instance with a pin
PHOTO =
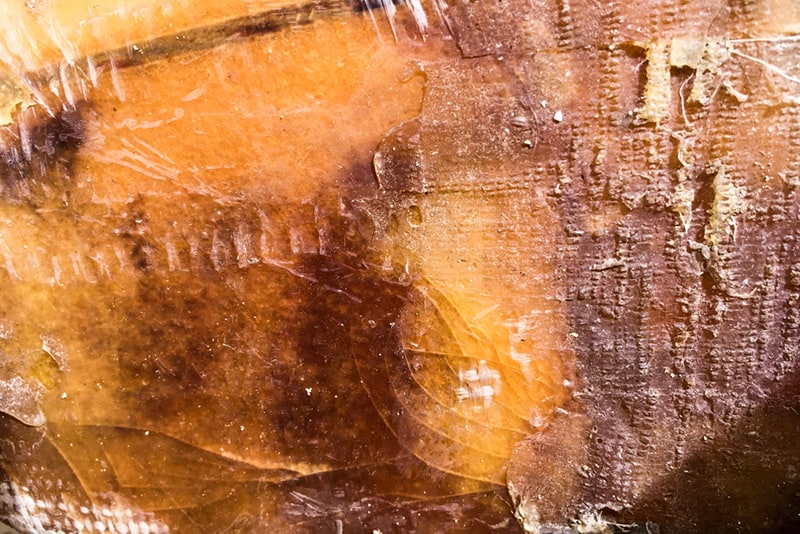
x=469, y=266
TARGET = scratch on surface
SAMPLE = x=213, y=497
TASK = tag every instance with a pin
x=289, y=269
x=115, y=80
x=68, y=47
x=102, y=266
x=57, y=271
x=9, y=260
x=194, y=95
x=133, y=159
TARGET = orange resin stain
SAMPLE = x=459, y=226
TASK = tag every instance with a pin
x=281, y=114
x=487, y=354
x=232, y=288
x=42, y=33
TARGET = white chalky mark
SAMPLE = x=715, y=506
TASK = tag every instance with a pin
x=242, y=242
x=9, y=260
x=57, y=271
x=478, y=385
x=103, y=268
x=122, y=258
x=20, y=399
x=219, y=252
x=55, y=349
x=20, y=510
x=173, y=260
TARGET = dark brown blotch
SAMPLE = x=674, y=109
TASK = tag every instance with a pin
x=37, y=150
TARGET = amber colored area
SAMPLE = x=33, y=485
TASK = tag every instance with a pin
x=42, y=33
x=230, y=315
x=507, y=265
x=279, y=115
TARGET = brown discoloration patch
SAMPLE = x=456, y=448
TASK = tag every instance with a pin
x=36, y=154
x=528, y=268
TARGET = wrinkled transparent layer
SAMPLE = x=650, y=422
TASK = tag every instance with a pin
x=420, y=267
